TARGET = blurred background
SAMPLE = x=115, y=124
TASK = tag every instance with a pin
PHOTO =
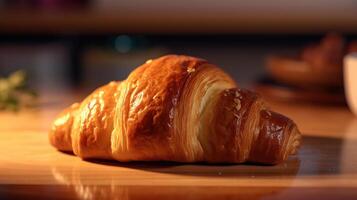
x=86, y=43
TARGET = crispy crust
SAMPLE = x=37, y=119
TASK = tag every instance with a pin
x=175, y=108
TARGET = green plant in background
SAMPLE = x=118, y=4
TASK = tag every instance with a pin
x=13, y=92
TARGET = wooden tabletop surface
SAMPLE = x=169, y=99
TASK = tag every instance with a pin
x=325, y=167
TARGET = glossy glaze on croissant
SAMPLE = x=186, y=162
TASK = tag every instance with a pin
x=175, y=108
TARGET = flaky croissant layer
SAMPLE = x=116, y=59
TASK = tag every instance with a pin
x=175, y=108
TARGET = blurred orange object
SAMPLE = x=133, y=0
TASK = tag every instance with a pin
x=318, y=65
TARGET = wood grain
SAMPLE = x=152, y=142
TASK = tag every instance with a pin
x=325, y=165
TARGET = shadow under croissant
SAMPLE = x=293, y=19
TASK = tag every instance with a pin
x=317, y=155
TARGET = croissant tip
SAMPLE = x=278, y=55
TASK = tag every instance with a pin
x=295, y=140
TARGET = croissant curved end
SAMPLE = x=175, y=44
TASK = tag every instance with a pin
x=278, y=138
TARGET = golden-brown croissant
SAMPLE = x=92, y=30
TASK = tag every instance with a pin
x=175, y=108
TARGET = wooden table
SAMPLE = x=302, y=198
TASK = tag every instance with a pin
x=325, y=168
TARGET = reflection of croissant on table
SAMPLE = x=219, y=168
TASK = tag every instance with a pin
x=175, y=108
x=89, y=192
x=75, y=182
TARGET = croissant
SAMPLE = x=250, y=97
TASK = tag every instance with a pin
x=175, y=108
